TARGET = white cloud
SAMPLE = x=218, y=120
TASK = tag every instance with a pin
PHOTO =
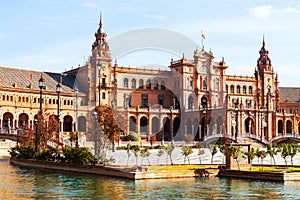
x=156, y=17
x=289, y=9
x=90, y=4
x=265, y=11
x=262, y=11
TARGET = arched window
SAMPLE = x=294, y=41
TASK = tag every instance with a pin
x=125, y=83
x=250, y=90
x=148, y=84
x=141, y=84
x=280, y=127
x=238, y=89
x=204, y=85
x=231, y=89
x=133, y=83
x=217, y=85
x=190, y=102
x=163, y=85
x=81, y=124
x=244, y=90
x=155, y=84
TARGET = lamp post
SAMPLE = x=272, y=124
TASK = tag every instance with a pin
x=95, y=135
x=36, y=122
x=76, y=116
x=268, y=104
x=261, y=123
x=204, y=107
x=41, y=86
x=171, y=126
x=58, y=91
x=162, y=127
x=236, y=108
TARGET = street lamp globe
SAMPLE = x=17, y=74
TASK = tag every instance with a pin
x=58, y=88
x=41, y=83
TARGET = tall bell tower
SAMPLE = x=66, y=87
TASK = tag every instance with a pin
x=267, y=87
x=99, y=69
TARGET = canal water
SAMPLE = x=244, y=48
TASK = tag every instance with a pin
x=21, y=183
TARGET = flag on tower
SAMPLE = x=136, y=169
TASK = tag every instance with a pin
x=202, y=35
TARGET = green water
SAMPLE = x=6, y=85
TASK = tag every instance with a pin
x=21, y=183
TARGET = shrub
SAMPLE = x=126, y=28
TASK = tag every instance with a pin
x=132, y=136
x=78, y=155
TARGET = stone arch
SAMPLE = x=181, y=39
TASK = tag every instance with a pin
x=280, y=127
x=67, y=123
x=249, y=125
x=81, y=124
x=196, y=129
x=144, y=126
x=7, y=120
x=23, y=120
x=155, y=125
x=132, y=123
x=167, y=128
x=176, y=126
x=211, y=123
x=289, y=126
x=219, y=125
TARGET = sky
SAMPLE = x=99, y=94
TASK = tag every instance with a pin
x=56, y=35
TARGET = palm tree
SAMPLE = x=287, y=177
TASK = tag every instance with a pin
x=234, y=152
x=272, y=151
x=145, y=153
x=200, y=152
x=169, y=149
x=250, y=155
x=186, y=151
x=222, y=148
x=136, y=151
x=284, y=152
x=293, y=150
x=160, y=153
x=213, y=151
x=261, y=154
x=128, y=148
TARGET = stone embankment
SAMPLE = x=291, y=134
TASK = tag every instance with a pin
x=254, y=175
x=112, y=171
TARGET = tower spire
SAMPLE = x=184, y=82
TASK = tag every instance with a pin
x=263, y=43
x=100, y=23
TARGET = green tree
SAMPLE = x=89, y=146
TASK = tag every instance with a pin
x=293, y=150
x=213, y=150
x=136, y=152
x=160, y=153
x=272, y=151
x=145, y=153
x=128, y=148
x=261, y=154
x=186, y=151
x=169, y=150
x=234, y=152
x=284, y=152
x=200, y=152
x=222, y=148
x=250, y=155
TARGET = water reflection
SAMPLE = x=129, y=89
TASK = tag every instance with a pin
x=20, y=183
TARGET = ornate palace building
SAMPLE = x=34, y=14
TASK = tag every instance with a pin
x=194, y=98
